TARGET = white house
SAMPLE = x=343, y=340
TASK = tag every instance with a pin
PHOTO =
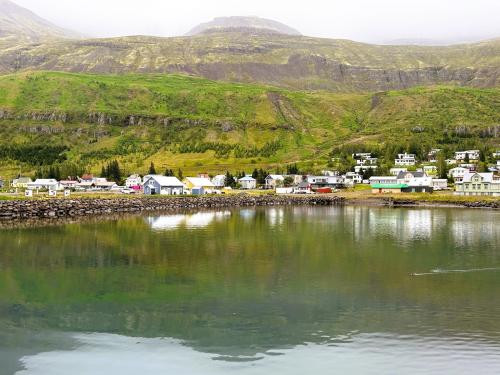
x=451, y=162
x=68, y=184
x=433, y=154
x=365, y=159
x=219, y=181
x=415, y=180
x=478, y=184
x=458, y=173
x=274, y=180
x=162, y=185
x=439, y=184
x=365, y=168
x=496, y=154
x=405, y=159
x=21, y=182
x=353, y=178
x=44, y=184
x=303, y=188
x=133, y=181
x=462, y=155
x=396, y=171
x=318, y=182
x=248, y=183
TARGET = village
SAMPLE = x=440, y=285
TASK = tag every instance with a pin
x=408, y=175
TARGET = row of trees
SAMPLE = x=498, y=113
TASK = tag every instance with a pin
x=34, y=154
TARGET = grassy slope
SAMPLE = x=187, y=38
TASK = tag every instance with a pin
x=307, y=125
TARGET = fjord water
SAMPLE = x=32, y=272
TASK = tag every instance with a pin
x=348, y=290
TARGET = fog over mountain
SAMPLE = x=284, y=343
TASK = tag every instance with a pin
x=360, y=20
x=242, y=23
x=20, y=23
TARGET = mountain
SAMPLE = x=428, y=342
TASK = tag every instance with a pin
x=294, y=62
x=247, y=50
x=18, y=24
x=243, y=23
x=200, y=125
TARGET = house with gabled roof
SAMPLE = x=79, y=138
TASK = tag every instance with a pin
x=478, y=184
x=273, y=181
x=162, y=185
x=200, y=184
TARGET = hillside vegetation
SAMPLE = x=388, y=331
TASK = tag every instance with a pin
x=200, y=125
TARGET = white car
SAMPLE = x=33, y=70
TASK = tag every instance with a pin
x=127, y=191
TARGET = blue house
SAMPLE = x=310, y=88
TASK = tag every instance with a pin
x=161, y=185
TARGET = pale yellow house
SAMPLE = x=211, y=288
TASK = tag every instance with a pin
x=478, y=184
x=21, y=182
x=197, y=183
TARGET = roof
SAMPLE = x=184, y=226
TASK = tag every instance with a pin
x=165, y=181
x=23, y=180
x=304, y=185
x=487, y=177
x=45, y=181
x=200, y=181
x=402, y=175
x=374, y=178
x=275, y=177
x=389, y=186
x=247, y=178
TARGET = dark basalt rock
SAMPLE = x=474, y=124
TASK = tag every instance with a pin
x=61, y=208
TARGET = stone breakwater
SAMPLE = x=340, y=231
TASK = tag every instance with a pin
x=68, y=208
x=391, y=202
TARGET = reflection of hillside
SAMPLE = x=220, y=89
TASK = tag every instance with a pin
x=190, y=221
x=254, y=280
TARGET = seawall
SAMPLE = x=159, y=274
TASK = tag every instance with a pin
x=61, y=208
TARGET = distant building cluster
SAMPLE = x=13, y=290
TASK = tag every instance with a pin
x=404, y=177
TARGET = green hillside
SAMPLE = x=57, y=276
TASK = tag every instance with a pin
x=199, y=125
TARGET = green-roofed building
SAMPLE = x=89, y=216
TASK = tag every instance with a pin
x=388, y=188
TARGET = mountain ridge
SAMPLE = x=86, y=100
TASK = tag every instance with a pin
x=220, y=24
x=22, y=25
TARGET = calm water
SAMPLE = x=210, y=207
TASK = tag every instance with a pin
x=351, y=290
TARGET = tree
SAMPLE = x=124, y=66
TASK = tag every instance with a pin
x=288, y=181
x=230, y=181
x=483, y=167
x=169, y=173
x=152, y=169
x=441, y=166
x=180, y=174
x=292, y=169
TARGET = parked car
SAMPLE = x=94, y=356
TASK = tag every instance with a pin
x=127, y=191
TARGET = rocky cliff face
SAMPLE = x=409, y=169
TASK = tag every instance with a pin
x=280, y=60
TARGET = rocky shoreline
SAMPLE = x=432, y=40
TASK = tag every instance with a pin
x=72, y=208
x=398, y=202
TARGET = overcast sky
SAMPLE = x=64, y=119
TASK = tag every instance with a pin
x=362, y=20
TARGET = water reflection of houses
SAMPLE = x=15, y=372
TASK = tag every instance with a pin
x=467, y=232
x=401, y=224
x=190, y=221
